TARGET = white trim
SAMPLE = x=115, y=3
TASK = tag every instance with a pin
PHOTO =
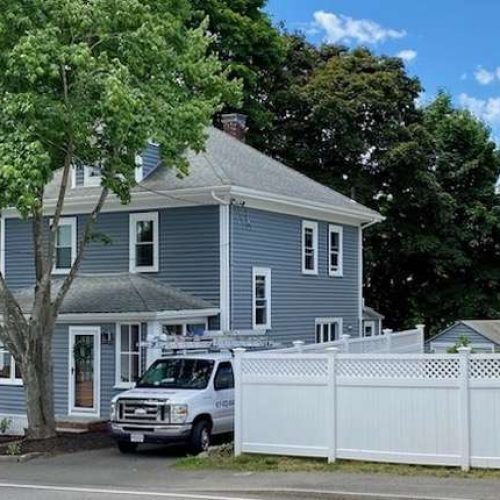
x=339, y=230
x=307, y=224
x=266, y=272
x=73, y=177
x=2, y=245
x=118, y=353
x=134, y=218
x=224, y=255
x=88, y=181
x=72, y=222
x=329, y=322
x=12, y=380
x=95, y=331
x=360, y=281
x=370, y=322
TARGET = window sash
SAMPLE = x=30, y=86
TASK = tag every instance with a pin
x=128, y=354
x=335, y=252
x=13, y=377
x=144, y=242
x=65, y=251
x=328, y=330
x=309, y=247
x=261, y=298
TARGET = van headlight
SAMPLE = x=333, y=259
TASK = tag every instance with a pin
x=178, y=414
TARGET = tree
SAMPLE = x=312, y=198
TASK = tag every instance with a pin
x=89, y=82
x=251, y=48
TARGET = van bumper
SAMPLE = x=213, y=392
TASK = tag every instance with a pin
x=158, y=434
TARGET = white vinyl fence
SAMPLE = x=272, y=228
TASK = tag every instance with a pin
x=409, y=408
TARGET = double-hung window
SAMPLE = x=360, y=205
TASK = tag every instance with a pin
x=92, y=176
x=335, y=236
x=309, y=247
x=65, y=251
x=9, y=371
x=261, y=309
x=328, y=329
x=144, y=242
x=128, y=354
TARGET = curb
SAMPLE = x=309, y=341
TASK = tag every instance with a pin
x=20, y=459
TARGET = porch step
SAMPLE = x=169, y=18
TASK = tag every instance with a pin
x=80, y=425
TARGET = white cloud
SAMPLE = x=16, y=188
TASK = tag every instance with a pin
x=339, y=28
x=485, y=109
x=483, y=76
x=407, y=55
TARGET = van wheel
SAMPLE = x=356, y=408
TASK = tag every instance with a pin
x=200, y=437
x=126, y=447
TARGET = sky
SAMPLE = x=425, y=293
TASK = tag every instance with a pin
x=448, y=44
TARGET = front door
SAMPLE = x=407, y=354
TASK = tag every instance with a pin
x=84, y=355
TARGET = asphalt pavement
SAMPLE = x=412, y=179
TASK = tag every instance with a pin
x=108, y=475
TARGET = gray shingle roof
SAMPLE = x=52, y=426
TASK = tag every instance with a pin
x=370, y=313
x=118, y=293
x=227, y=161
x=487, y=327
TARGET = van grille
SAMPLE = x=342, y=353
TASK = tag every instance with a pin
x=143, y=410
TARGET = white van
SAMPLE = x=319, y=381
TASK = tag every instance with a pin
x=184, y=399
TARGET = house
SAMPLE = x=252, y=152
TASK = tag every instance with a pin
x=372, y=322
x=483, y=336
x=242, y=243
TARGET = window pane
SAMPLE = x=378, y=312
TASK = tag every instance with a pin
x=124, y=338
x=134, y=338
x=144, y=255
x=5, y=361
x=145, y=231
x=172, y=329
x=260, y=287
x=134, y=367
x=124, y=372
x=334, y=241
x=195, y=330
x=64, y=236
x=63, y=258
x=309, y=262
x=308, y=238
x=260, y=315
x=17, y=371
x=318, y=333
x=334, y=261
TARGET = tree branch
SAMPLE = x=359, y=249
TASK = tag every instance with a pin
x=61, y=294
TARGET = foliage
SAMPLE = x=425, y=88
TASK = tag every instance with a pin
x=463, y=341
x=13, y=448
x=5, y=424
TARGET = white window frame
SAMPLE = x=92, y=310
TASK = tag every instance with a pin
x=139, y=168
x=266, y=272
x=328, y=321
x=119, y=384
x=184, y=323
x=307, y=224
x=66, y=221
x=133, y=220
x=12, y=380
x=339, y=272
x=372, y=324
x=88, y=180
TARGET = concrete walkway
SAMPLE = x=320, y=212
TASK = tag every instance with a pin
x=106, y=474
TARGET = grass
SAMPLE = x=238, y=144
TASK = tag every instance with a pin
x=267, y=463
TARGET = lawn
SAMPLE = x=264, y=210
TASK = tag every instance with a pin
x=267, y=463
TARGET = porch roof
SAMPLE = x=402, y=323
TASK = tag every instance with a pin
x=119, y=293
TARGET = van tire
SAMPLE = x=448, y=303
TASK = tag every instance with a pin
x=200, y=437
x=126, y=447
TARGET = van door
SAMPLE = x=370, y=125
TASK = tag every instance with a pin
x=224, y=398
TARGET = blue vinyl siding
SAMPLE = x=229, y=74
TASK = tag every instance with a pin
x=266, y=239
x=189, y=249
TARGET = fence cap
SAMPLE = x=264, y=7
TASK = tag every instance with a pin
x=464, y=350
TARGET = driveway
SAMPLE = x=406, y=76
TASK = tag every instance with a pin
x=107, y=475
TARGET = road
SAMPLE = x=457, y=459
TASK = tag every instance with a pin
x=107, y=475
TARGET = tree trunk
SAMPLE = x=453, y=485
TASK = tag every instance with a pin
x=37, y=375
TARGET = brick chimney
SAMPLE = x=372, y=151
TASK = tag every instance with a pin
x=235, y=124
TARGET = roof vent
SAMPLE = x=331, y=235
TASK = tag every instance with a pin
x=235, y=124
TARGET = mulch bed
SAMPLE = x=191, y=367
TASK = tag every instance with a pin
x=62, y=443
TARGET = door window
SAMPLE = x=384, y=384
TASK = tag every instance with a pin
x=224, y=378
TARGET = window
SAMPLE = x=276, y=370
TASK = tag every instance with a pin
x=224, y=378
x=144, y=242
x=9, y=371
x=261, y=316
x=328, y=329
x=335, y=234
x=128, y=354
x=65, y=245
x=91, y=176
x=309, y=247
x=368, y=328
x=191, y=329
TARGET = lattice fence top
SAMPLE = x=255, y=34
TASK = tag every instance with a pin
x=484, y=368
x=283, y=367
x=420, y=368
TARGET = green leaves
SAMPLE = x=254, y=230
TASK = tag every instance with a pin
x=99, y=79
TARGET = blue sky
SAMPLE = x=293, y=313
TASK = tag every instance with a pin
x=449, y=44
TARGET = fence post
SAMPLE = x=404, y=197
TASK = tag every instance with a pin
x=331, y=414
x=388, y=340
x=238, y=401
x=421, y=330
x=345, y=342
x=464, y=357
x=298, y=344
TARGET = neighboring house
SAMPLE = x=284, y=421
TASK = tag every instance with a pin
x=372, y=322
x=242, y=243
x=483, y=336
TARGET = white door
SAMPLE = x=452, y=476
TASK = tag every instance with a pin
x=84, y=370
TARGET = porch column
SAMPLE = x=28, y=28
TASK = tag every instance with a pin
x=154, y=350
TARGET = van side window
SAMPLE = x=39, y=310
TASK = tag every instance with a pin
x=224, y=378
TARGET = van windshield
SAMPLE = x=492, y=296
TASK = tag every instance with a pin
x=177, y=374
